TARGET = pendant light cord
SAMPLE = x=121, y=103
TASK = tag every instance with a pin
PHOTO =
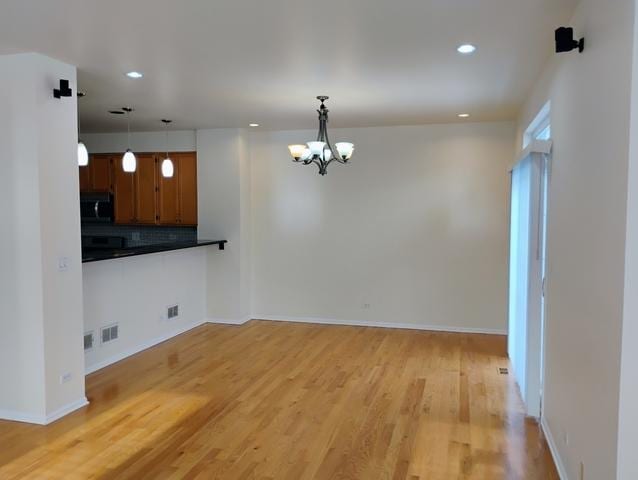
x=166, y=123
x=80, y=95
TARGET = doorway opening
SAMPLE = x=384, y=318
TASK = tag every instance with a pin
x=527, y=276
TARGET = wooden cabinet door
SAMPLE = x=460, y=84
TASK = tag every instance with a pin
x=123, y=194
x=169, y=197
x=146, y=189
x=187, y=179
x=100, y=168
x=85, y=179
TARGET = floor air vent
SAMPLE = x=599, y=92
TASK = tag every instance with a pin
x=503, y=371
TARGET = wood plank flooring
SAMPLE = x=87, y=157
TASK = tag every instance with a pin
x=274, y=400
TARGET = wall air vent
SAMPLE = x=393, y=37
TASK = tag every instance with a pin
x=88, y=341
x=110, y=333
x=503, y=371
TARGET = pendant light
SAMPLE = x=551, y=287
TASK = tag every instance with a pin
x=83, y=153
x=129, y=162
x=167, y=164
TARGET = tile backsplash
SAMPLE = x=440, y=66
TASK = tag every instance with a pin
x=140, y=235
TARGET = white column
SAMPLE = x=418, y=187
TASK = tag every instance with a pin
x=223, y=185
x=41, y=326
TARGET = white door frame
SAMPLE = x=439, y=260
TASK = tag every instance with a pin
x=530, y=380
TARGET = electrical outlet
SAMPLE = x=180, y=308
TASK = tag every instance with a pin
x=65, y=377
x=135, y=236
x=366, y=306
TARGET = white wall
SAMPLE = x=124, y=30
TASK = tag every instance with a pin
x=416, y=227
x=134, y=292
x=589, y=96
x=223, y=176
x=628, y=413
x=178, y=141
x=41, y=322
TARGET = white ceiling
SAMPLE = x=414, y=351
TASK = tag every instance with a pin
x=226, y=63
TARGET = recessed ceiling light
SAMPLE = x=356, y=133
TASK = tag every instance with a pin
x=466, y=49
x=134, y=74
x=464, y=115
x=253, y=124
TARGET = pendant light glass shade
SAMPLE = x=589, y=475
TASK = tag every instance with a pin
x=167, y=168
x=83, y=155
x=129, y=162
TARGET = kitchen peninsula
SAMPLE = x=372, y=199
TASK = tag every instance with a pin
x=146, y=224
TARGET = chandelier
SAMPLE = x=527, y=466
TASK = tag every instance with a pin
x=321, y=152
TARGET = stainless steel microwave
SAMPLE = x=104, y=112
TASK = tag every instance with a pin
x=96, y=207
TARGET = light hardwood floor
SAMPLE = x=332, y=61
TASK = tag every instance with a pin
x=271, y=400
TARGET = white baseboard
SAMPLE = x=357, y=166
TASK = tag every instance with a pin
x=230, y=321
x=143, y=346
x=65, y=410
x=43, y=419
x=364, y=323
x=562, y=473
x=14, y=416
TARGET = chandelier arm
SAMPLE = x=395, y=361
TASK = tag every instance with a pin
x=319, y=164
x=335, y=156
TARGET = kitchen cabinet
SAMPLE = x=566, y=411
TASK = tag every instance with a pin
x=145, y=196
x=146, y=189
x=123, y=195
x=85, y=179
x=178, y=194
x=187, y=180
x=168, y=198
x=97, y=175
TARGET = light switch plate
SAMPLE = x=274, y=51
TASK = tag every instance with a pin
x=63, y=264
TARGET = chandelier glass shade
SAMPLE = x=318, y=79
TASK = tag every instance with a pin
x=321, y=152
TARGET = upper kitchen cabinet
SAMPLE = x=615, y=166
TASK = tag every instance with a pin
x=146, y=188
x=97, y=175
x=178, y=194
x=187, y=178
x=145, y=196
x=123, y=195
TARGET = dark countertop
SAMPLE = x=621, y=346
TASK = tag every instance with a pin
x=110, y=254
